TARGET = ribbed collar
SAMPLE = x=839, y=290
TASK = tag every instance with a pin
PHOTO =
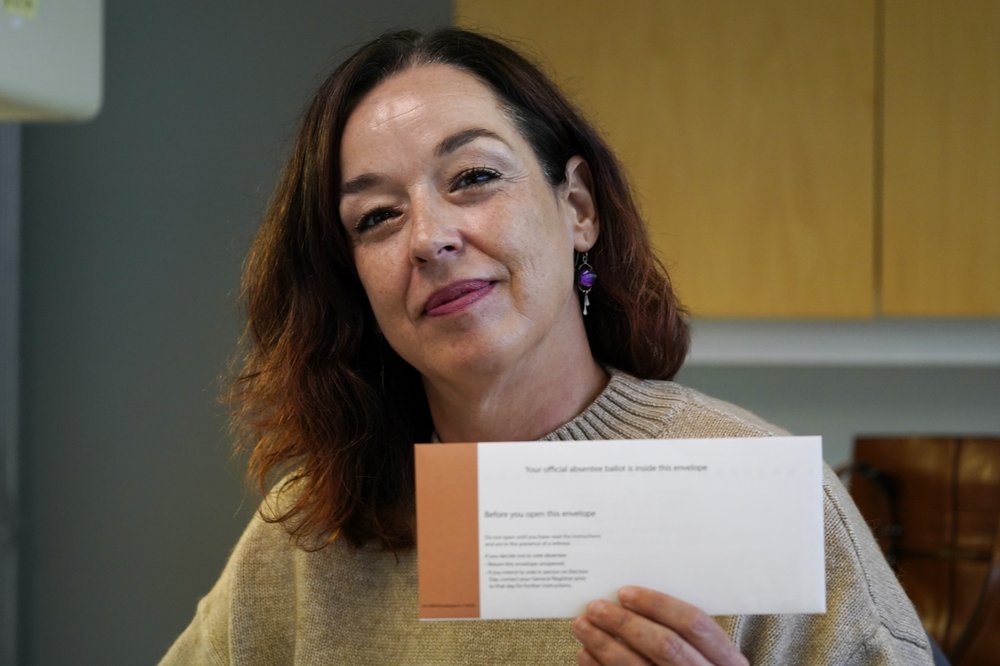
x=627, y=408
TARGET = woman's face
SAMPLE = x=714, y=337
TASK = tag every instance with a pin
x=463, y=247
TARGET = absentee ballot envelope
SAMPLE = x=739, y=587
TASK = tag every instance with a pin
x=509, y=530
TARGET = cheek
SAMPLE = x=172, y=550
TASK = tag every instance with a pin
x=381, y=280
x=542, y=249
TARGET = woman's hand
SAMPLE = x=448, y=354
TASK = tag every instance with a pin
x=651, y=627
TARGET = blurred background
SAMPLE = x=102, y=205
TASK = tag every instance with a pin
x=769, y=168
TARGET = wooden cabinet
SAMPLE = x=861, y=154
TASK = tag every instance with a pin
x=941, y=210
x=751, y=132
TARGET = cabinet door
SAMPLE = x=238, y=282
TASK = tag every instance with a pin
x=941, y=242
x=747, y=128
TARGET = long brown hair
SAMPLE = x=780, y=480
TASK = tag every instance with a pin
x=320, y=396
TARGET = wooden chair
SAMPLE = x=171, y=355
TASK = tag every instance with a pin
x=934, y=506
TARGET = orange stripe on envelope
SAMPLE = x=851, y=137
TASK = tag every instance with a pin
x=447, y=530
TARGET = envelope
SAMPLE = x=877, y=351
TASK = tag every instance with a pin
x=517, y=530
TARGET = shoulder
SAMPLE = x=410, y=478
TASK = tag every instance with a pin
x=256, y=588
x=859, y=580
x=260, y=558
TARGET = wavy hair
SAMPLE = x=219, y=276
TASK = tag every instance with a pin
x=320, y=398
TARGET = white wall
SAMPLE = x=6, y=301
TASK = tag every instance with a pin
x=846, y=379
x=842, y=403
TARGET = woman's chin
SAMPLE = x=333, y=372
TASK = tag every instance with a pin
x=470, y=362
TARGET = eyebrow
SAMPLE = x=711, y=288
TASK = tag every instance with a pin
x=447, y=146
x=455, y=141
x=360, y=184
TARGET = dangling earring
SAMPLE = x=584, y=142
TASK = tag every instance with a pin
x=585, y=278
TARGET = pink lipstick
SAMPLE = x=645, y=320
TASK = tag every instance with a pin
x=456, y=296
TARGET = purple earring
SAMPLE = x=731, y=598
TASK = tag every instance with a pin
x=585, y=279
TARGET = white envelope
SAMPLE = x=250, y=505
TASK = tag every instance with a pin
x=538, y=529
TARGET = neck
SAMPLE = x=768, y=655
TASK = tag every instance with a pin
x=523, y=403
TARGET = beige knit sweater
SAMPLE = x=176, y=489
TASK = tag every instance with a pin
x=276, y=604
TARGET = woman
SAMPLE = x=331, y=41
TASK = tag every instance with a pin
x=426, y=271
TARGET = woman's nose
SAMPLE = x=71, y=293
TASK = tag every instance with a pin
x=434, y=234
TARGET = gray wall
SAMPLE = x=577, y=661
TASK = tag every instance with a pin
x=134, y=228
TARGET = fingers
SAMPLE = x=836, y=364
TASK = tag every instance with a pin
x=650, y=626
x=599, y=647
x=611, y=634
x=693, y=625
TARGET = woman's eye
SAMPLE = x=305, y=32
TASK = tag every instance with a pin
x=374, y=218
x=473, y=177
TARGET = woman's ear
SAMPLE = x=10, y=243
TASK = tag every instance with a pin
x=578, y=194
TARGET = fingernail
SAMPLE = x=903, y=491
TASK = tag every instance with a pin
x=627, y=593
x=597, y=607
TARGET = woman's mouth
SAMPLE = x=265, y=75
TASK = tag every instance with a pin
x=456, y=297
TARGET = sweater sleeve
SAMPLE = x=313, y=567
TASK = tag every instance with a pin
x=249, y=616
